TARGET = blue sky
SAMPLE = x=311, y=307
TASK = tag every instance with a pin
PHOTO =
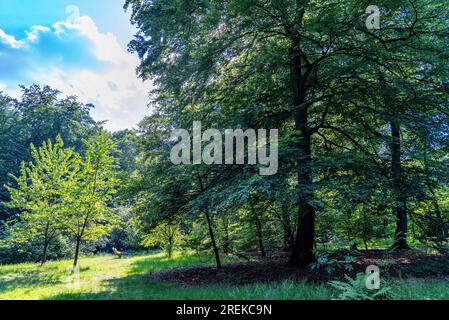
x=47, y=42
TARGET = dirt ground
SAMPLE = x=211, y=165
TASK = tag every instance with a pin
x=275, y=268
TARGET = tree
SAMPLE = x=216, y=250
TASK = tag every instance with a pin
x=44, y=115
x=11, y=150
x=90, y=215
x=305, y=66
x=42, y=187
x=38, y=115
x=166, y=235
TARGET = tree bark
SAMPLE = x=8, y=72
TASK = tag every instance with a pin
x=302, y=253
x=441, y=232
x=289, y=239
x=170, y=245
x=212, y=238
x=258, y=225
x=226, y=242
x=399, y=207
x=46, y=243
x=77, y=250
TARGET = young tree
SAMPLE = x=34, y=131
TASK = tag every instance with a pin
x=38, y=115
x=167, y=235
x=90, y=215
x=42, y=188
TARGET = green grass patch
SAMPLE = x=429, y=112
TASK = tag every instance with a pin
x=106, y=277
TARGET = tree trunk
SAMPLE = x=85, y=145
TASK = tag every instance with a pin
x=399, y=207
x=365, y=243
x=258, y=225
x=302, y=253
x=226, y=242
x=212, y=238
x=170, y=246
x=77, y=250
x=441, y=232
x=289, y=239
x=46, y=243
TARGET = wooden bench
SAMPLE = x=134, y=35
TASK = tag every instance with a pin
x=118, y=253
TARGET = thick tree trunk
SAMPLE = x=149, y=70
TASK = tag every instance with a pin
x=399, y=208
x=302, y=253
x=258, y=225
x=212, y=238
x=46, y=243
x=77, y=251
x=289, y=241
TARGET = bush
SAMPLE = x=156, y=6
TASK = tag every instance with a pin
x=31, y=251
x=324, y=261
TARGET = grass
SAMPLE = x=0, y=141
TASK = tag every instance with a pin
x=429, y=289
x=106, y=277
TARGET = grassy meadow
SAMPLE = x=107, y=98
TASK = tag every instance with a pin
x=108, y=278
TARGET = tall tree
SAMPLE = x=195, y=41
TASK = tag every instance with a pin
x=304, y=66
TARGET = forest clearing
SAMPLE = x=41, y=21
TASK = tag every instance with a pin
x=187, y=276
x=224, y=149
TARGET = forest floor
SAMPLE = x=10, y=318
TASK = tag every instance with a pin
x=275, y=268
x=188, y=276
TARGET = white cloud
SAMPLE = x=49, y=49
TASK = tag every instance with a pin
x=10, y=40
x=33, y=35
x=104, y=76
x=106, y=46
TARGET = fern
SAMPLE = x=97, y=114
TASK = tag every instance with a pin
x=355, y=289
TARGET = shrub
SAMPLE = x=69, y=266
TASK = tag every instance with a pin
x=324, y=261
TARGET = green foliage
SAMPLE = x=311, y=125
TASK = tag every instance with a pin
x=127, y=233
x=362, y=123
x=38, y=116
x=43, y=188
x=360, y=113
x=166, y=236
x=324, y=261
x=61, y=191
x=90, y=215
x=91, y=193
x=355, y=289
x=14, y=249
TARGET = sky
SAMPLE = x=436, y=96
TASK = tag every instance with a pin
x=78, y=47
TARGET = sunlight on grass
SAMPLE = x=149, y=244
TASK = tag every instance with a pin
x=106, y=277
x=31, y=281
x=99, y=277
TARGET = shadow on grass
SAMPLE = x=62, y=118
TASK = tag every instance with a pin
x=137, y=280
x=30, y=279
x=138, y=284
